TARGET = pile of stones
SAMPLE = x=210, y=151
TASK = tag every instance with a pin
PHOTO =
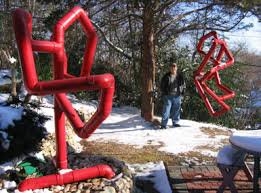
x=122, y=183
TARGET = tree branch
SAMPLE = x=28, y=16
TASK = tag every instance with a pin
x=126, y=16
x=102, y=8
x=166, y=4
x=179, y=17
x=117, y=49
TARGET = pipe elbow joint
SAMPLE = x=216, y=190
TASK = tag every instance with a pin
x=31, y=87
x=106, y=171
x=109, y=81
x=104, y=114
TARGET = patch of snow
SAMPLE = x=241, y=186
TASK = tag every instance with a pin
x=3, y=191
x=8, y=115
x=9, y=184
x=209, y=153
x=12, y=60
x=6, y=166
x=34, y=191
x=154, y=172
x=256, y=98
x=3, y=97
x=125, y=125
x=5, y=77
x=229, y=155
x=249, y=140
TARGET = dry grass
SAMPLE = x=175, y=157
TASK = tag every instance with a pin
x=129, y=153
x=208, y=147
x=212, y=132
x=149, y=153
x=194, y=154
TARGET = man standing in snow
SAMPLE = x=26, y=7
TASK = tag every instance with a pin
x=172, y=86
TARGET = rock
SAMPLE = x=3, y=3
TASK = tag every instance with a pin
x=67, y=187
x=87, y=184
x=3, y=191
x=108, y=189
x=73, y=188
x=120, y=184
x=9, y=184
x=80, y=186
x=96, y=181
x=57, y=188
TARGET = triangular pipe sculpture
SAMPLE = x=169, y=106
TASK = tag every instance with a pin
x=62, y=84
x=201, y=76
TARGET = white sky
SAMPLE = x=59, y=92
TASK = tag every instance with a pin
x=251, y=37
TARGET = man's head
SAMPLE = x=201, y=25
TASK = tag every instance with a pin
x=173, y=68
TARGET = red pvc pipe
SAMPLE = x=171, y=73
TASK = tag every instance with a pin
x=201, y=77
x=63, y=83
x=46, y=46
x=70, y=177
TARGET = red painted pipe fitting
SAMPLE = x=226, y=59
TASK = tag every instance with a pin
x=201, y=77
x=63, y=83
x=69, y=177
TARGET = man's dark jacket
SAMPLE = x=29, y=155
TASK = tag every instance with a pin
x=166, y=81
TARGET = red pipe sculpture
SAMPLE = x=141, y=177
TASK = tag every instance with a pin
x=63, y=83
x=201, y=77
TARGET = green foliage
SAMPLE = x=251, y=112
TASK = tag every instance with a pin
x=53, y=17
x=43, y=66
x=124, y=92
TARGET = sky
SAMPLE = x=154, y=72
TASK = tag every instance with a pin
x=251, y=37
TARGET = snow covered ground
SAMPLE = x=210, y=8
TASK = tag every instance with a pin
x=125, y=126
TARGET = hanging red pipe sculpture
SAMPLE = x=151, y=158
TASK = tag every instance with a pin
x=201, y=77
x=63, y=83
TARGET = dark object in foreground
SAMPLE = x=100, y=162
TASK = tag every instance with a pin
x=25, y=135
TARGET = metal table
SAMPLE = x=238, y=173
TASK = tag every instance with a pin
x=257, y=155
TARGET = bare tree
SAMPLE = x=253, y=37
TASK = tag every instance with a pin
x=167, y=19
x=132, y=32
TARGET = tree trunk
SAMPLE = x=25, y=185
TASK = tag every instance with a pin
x=13, y=75
x=148, y=65
x=132, y=35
